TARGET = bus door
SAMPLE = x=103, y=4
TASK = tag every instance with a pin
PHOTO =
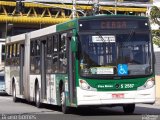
x=21, y=68
x=43, y=69
x=71, y=72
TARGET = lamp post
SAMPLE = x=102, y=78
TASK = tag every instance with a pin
x=74, y=9
x=19, y=6
x=115, y=12
x=95, y=7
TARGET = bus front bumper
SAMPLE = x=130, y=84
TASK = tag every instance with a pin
x=88, y=98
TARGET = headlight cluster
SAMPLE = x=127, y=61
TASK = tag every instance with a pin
x=148, y=84
x=85, y=86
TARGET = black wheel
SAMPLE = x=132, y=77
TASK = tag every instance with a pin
x=37, y=96
x=129, y=108
x=15, y=99
x=65, y=109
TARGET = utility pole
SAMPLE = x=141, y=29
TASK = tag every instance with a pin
x=115, y=12
x=19, y=6
x=95, y=7
x=74, y=9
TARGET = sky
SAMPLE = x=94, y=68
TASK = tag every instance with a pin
x=157, y=3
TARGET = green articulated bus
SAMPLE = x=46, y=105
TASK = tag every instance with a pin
x=104, y=60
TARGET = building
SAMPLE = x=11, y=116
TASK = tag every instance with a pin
x=16, y=17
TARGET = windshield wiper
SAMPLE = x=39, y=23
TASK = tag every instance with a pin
x=131, y=35
x=105, y=44
x=97, y=33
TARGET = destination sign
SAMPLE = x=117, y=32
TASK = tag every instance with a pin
x=112, y=24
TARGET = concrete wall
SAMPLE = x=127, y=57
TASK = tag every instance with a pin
x=157, y=89
x=157, y=72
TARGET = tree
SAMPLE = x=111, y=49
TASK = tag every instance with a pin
x=156, y=37
x=155, y=18
x=155, y=15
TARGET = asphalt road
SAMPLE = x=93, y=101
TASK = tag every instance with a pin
x=27, y=111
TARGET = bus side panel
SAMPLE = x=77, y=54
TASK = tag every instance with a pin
x=51, y=89
x=32, y=80
x=8, y=81
x=14, y=74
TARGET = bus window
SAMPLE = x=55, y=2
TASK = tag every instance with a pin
x=3, y=53
x=49, y=47
x=16, y=59
x=17, y=50
x=55, y=54
x=37, y=45
x=1, y=78
x=35, y=57
x=12, y=51
x=7, y=54
x=10, y=55
x=62, y=53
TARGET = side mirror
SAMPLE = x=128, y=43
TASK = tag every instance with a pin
x=74, y=44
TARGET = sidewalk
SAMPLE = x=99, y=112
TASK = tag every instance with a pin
x=157, y=101
x=155, y=106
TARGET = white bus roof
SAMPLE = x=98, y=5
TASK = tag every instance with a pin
x=42, y=32
x=16, y=38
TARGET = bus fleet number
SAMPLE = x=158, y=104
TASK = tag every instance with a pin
x=127, y=85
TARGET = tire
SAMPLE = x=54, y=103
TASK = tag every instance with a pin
x=129, y=108
x=37, y=96
x=15, y=99
x=65, y=109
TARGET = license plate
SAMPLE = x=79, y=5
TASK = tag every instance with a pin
x=118, y=96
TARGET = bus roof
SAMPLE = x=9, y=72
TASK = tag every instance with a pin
x=16, y=38
x=64, y=26
x=42, y=32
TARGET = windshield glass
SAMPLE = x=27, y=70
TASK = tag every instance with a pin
x=120, y=54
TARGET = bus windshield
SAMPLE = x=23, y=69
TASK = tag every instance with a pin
x=126, y=53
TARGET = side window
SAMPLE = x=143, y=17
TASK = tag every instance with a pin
x=6, y=49
x=49, y=65
x=62, y=53
x=3, y=53
x=16, y=49
x=55, y=54
x=32, y=48
x=49, y=45
x=37, y=47
x=35, y=57
x=10, y=54
x=7, y=55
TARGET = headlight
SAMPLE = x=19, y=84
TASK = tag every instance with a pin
x=84, y=85
x=148, y=84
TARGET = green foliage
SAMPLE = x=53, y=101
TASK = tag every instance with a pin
x=156, y=37
x=156, y=32
x=155, y=14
